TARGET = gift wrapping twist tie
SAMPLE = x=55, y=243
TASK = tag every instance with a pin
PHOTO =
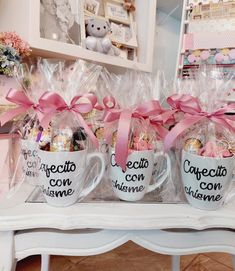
x=19, y=98
x=52, y=103
x=194, y=114
x=124, y=117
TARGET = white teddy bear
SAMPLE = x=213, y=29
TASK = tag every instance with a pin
x=97, y=39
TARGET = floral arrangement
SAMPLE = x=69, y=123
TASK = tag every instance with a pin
x=12, y=49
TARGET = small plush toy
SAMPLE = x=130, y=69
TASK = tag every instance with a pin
x=128, y=5
x=97, y=39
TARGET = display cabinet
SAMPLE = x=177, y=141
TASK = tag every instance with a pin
x=37, y=27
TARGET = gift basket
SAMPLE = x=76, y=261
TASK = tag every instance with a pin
x=204, y=139
x=88, y=134
x=133, y=130
x=55, y=138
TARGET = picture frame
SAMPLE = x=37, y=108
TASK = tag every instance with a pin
x=124, y=34
x=114, y=11
x=60, y=20
x=92, y=6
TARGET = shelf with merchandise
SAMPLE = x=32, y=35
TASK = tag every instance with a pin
x=26, y=23
x=206, y=39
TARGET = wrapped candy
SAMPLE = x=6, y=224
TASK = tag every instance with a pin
x=65, y=159
x=104, y=88
x=27, y=111
x=40, y=129
x=133, y=130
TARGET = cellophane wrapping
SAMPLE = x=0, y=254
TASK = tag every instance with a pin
x=64, y=131
x=130, y=90
x=208, y=137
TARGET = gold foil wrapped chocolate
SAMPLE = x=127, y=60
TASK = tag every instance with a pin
x=61, y=140
x=145, y=137
x=91, y=115
x=68, y=140
x=99, y=133
x=114, y=139
x=193, y=145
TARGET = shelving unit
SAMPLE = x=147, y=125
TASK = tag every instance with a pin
x=206, y=39
x=26, y=23
x=208, y=29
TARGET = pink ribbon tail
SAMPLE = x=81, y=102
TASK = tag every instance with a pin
x=19, y=98
x=122, y=147
x=160, y=130
x=224, y=122
x=179, y=129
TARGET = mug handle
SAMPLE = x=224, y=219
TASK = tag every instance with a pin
x=98, y=178
x=163, y=178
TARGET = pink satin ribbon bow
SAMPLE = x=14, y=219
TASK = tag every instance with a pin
x=194, y=114
x=19, y=98
x=161, y=118
x=124, y=117
x=183, y=103
x=51, y=103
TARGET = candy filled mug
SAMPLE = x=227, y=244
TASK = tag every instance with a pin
x=206, y=180
x=134, y=183
x=62, y=176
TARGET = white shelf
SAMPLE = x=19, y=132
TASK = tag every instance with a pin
x=26, y=22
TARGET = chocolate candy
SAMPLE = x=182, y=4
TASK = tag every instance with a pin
x=61, y=140
x=79, y=135
x=114, y=139
x=99, y=133
x=144, y=136
x=192, y=145
x=78, y=141
x=45, y=147
x=90, y=115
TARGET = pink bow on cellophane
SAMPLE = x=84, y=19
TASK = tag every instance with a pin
x=24, y=104
x=52, y=103
x=147, y=110
x=193, y=114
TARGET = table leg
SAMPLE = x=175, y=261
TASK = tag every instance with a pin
x=7, y=251
x=45, y=262
x=175, y=263
x=233, y=259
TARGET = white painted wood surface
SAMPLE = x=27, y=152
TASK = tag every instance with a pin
x=36, y=228
x=7, y=251
x=93, y=242
x=15, y=214
x=88, y=242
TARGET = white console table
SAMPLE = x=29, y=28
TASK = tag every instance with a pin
x=94, y=228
